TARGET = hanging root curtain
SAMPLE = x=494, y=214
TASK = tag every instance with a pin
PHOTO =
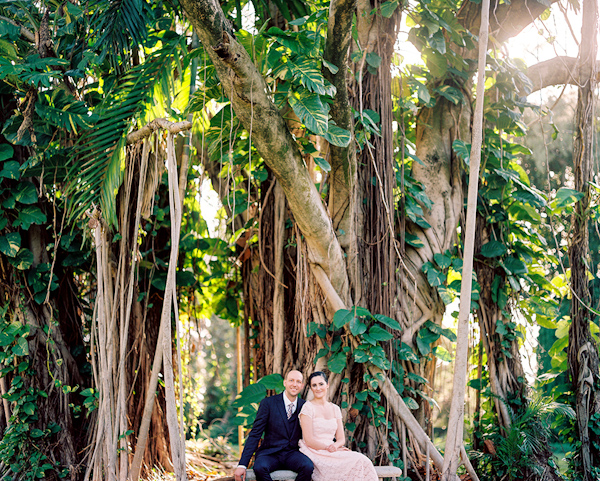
x=113, y=440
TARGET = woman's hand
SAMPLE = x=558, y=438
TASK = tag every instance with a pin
x=332, y=448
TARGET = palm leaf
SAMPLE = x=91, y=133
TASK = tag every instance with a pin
x=118, y=26
x=96, y=164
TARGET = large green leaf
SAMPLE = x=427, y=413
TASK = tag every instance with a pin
x=514, y=265
x=308, y=72
x=337, y=362
x=26, y=193
x=413, y=240
x=342, y=317
x=381, y=362
x=357, y=326
x=361, y=355
x=63, y=112
x=6, y=152
x=442, y=353
x=287, y=39
x=254, y=393
x=322, y=163
x=425, y=338
x=388, y=8
x=28, y=215
x=462, y=149
x=493, y=249
x=451, y=93
x=388, y=321
x=410, y=403
x=446, y=332
x=10, y=170
x=438, y=42
x=21, y=347
x=8, y=30
x=10, y=244
x=380, y=334
x=23, y=260
x=310, y=110
x=337, y=136
x=436, y=62
x=8, y=50
x=273, y=381
x=527, y=197
x=423, y=93
x=442, y=260
x=524, y=212
x=565, y=197
x=405, y=353
x=515, y=176
x=416, y=378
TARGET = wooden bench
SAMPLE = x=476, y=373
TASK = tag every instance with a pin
x=382, y=472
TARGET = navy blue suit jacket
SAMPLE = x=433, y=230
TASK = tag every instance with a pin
x=281, y=433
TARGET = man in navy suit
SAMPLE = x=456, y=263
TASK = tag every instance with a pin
x=277, y=419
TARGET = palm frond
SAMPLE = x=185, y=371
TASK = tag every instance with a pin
x=118, y=26
x=96, y=164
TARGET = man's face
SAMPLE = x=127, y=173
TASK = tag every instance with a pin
x=293, y=384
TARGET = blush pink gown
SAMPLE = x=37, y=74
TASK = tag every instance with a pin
x=338, y=466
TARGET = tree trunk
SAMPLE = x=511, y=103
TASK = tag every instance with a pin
x=347, y=254
x=507, y=378
x=49, y=381
x=582, y=350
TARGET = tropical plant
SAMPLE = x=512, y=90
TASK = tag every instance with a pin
x=518, y=452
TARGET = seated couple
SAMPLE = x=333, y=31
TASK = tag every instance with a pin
x=320, y=454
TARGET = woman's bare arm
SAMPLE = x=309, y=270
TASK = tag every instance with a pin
x=306, y=423
x=340, y=438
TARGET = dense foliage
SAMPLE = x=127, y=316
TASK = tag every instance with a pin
x=77, y=77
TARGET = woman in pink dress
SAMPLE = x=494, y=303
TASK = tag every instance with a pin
x=323, y=439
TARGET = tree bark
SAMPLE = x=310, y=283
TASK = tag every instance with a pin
x=582, y=350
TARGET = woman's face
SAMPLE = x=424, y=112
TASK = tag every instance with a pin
x=319, y=386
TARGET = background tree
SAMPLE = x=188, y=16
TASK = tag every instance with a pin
x=439, y=170
x=343, y=184
x=583, y=351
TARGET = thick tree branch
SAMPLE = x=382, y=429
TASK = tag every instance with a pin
x=146, y=131
x=506, y=20
x=559, y=71
x=25, y=32
x=252, y=104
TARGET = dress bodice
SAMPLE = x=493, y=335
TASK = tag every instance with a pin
x=323, y=429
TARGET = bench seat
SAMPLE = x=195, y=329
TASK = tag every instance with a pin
x=283, y=475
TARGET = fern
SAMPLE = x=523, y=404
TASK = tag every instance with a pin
x=96, y=163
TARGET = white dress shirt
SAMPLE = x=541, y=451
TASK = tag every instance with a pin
x=287, y=402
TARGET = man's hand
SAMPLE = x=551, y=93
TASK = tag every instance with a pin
x=239, y=474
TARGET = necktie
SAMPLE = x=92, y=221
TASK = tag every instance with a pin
x=290, y=410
